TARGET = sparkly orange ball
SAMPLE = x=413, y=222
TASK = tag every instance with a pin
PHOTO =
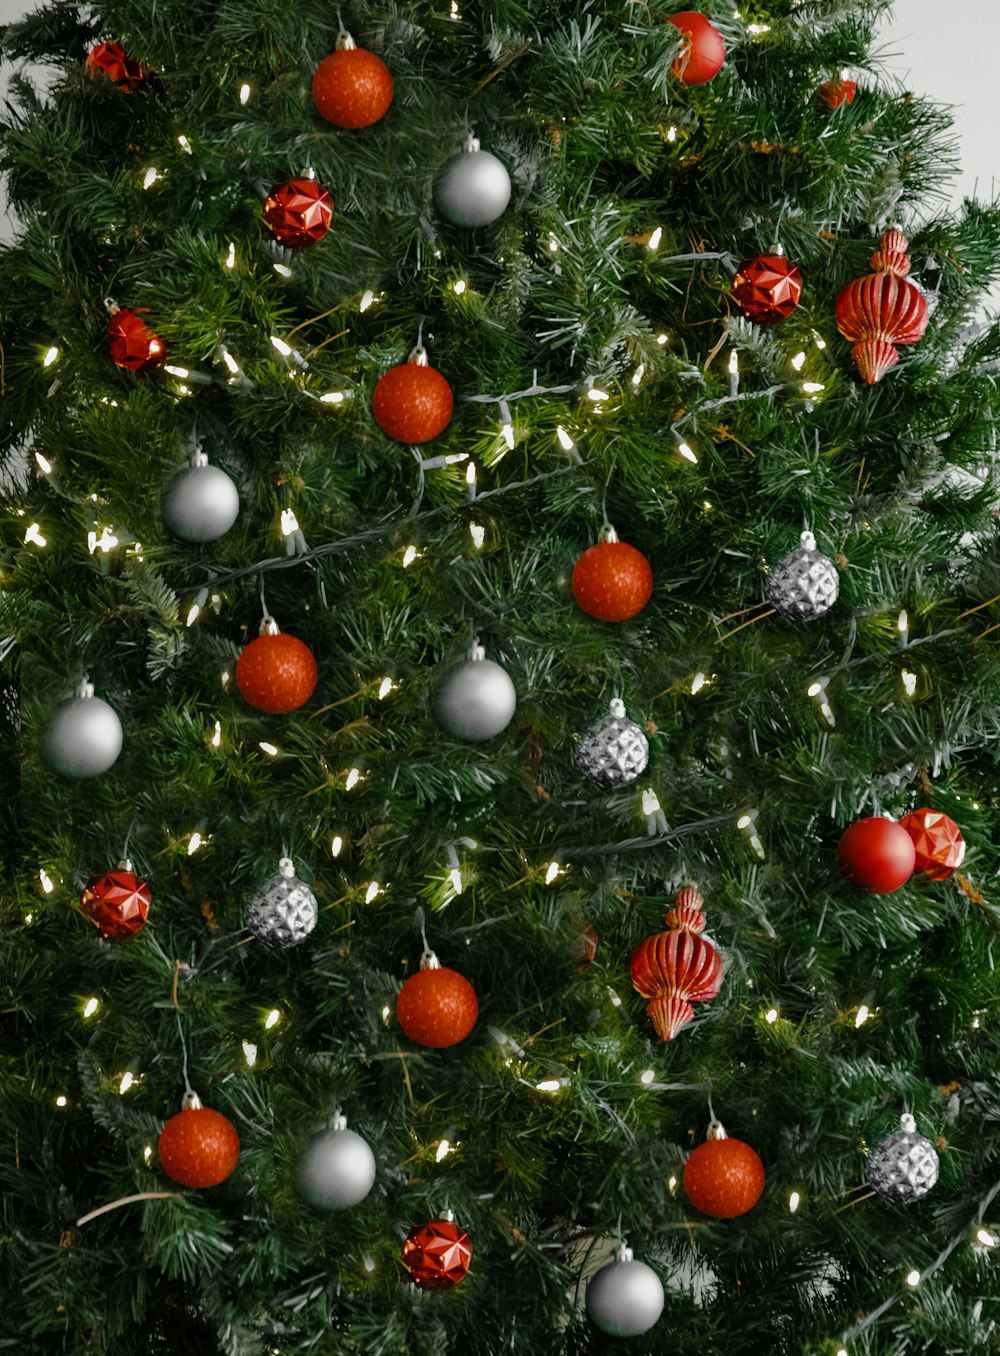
x=199, y=1147
x=276, y=672
x=612, y=581
x=352, y=87
x=412, y=402
x=724, y=1178
x=437, y=1007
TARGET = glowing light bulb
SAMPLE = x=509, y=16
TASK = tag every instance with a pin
x=43, y=463
x=671, y=133
x=353, y=777
x=51, y=355
x=478, y=534
x=553, y=243
x=386, y=1013
x=616, y=1001
x=638, y=374
x=813, y=387
x=987, y=1239
x=771, y=1016
x=332, y=398
x=384, y=688
x=289, y=522
x=284, y=349
x=230, y=362
x=551, y=871
x=46, y=880
x=909, y=682
x=443, y=1149
x=282, y=270
x=793, y=1202
x=185, y=145
x=127, y=1080
x=650, y=802
x=336, y=846
x=60, y=1100
x=272, y=1019
x=245, y=92
x=91, y=1007
x=230, y=260
x=250, y=1053
x=194, y=612
x=863, y=1015
x=661, y=339
x=913, y=1279
x=646, y=1077
x=654, y=240
x=372, y=892
x=180, y=372
x=410, y=555
x=744, y=821
x=147, y=1153
x=902, y=622
x=455, y=880
x=459, y=287
x=734, y=363
x=216, y=739
x=672, y=1183
x=565, y=441
x=798, y=362
x=194, y=843
x=686, y=452
x=33, y=534
x=549, y=1085
x=697, y=683
x=270, y=749
x=595, y=394
x=507, y=433
x=150, y=177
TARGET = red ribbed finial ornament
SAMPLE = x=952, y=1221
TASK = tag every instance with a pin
x=677, y=968
x=882, y=310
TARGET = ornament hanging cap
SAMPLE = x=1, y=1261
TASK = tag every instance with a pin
x=476, y=652
x=471, y=143
x=807, y=541
x=338, y=1121
x=448, y=1216
x=198, y=457
x=124, y=865
x=269, y=627
x=429, y=961
x=286, y=868
x=891, y=255
x=345, y=43
x=686, y=915
x=418, y=355
x=85, y=688
x=623, y=1253
x=617, y=708
x=907, y=1123
x=191, y=1101
x=608, y=533
x=716, y=1130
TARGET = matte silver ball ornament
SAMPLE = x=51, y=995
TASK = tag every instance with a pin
x=805, y=583
x=84, y=736
x=201, y=503
x=472, y=188
x=337, y=1168
x=624, y=1298
x=614, y=751
x=283, y=912
x=904, y=1165
x=475, y=699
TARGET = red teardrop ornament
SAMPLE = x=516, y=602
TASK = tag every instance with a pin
x=882, y=310
x=677, y=968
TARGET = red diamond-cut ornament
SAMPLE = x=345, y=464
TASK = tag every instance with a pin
x=299, y=213
x=118, y=902
x=113, y=61
x=437, y=1254
x=132, y=343
x=938, y=842
x=767, y=288
x=837, y=92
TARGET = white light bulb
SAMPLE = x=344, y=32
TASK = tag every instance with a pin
x=565, y=441
x=686, y=452
x=650, y=802
x=194, y=612
x=661, y=339
x=455, y=880
x=384, y=688
x=459, y=287
x=272, y=1019
x=671, y=133
x=230, y=362
x=507, y=433
x=551, y=871
x=60, y=1101
x=987, y=1239
x=150, y=177
x=654, y=240
x=284, y=349
x=793, y=1202
x=43, y=462
x=127, y=1080
x=269, y=748
x=231, y=256
x=798, y=362
x=366, y=300
x=549, y=1085
x=33, y=534
x=372, y=892
x=51, y=355
x=244, y=94
x=478, y=533
x=902, y=621
x=91, y=1007
x=353, y=777
x=216, y=739
x=697, y=683
x=909, y=682
x=862, y=1017
x=443, y=1149
x=332, y=398
x=771, y=1016
x=289, y=522
x=250, y=1053
x=180, y=372
x=283, y=270
x=46, y=880
x=595, y=394
x=813, y=387
x=410, y=555
x=184, y=144
x=147, y=1153
x=646, y=1077
x=913, y=1278
x=337, y=846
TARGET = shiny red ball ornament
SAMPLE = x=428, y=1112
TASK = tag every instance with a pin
x=677, y=968
x=437, y=1254
x=198, y=1147
x=723, y=1177
x=881, y=311
x=111, y=59
x=276, y=672
x=117, y=901
x=705, y=51
x=612, y=581
x=767, y=289
x=937, y=843
x=413, y=402
x=877, y=854
x=836, y=92
x=352, y=87
x=436, y=1006
x=132, y=343
x=299, y=213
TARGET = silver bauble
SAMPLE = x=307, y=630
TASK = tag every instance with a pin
x=283, y=912
x=472, y=188
x=624, y=1298
x=475, y=699
x=337, y=1168
x=84, y=736
x=805, y=583
x=201, y=503
x=904, y=1165
x=614, y=751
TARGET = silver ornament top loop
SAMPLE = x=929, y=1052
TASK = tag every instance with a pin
x=448, y=1216
x=418, y=355
x=125, y=864
x=345, y=43
x=198, y=458
x=286, y=868
x=308, y=172
x=608, y=533
x=471, y=143
x=191, y=1101
x=906, y=1122
x=429, y=961
x=807, y=541
x=779, y=250
x=85, y=688
x=338, y=1121
x=269, y=627
x=111, y=306
x=716, y=1130
x=476, y=652
x=623, y=1253
x=617, y=707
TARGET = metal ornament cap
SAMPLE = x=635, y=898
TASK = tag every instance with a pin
x=614, y=751
x=284, y=911
x=472, y=188
x=201, y=503
x=904, y=1165
x=804, y=584
x=337, y=1168
x=476, y=699
x=624, y=1298
x=84, y=736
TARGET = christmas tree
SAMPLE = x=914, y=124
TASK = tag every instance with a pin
x=500, y=633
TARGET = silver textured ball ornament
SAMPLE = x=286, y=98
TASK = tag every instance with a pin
x=201, y=503
x=283, y=912
x=475, y=699
x=624, y=1298
x=472, y=188
x=84, y=736
x=337, y=1168
x=805, y=583
x=614, y=751
x=904, y=1165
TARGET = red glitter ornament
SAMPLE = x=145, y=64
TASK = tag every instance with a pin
x=677, y=968
x=299, y=212
x=436, y=1006
x=877, y=854
x=705, y=51
x=117, y=901
x=352, y=87
x=612, y=581
x=413, y=402
x=836, y=92
x=723, y=1177
x=198, y=1147
x=111, y=59
x=937, y=841
x=767, y=288
x=437, y=1254
x=132, y=343
x=882, y=310
x=276, y=672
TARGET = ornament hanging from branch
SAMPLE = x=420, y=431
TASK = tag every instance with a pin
x=877, y=854
x=337, y=1168
x=614, y=751
x=117, y=901
x=624, y=1298
x=937, y=842
x=834, y=93
x=437, y=1254
x=803, y=584
x=201, y=503
x=472, y=188
x=904, y=1165
x=767, y=289
x=412, y=401
x=883, y=310
x=276, y=672
x=677, y=968
x=298, y=212
x=111, y=59
x=436, y=1007
x=84, y=736
x=198, y=1147
x=352, y=87
x=612, y=581
x=475, y=699
x=131, y=343
x=723, y=1177
x=283, y=911
x=704, y=51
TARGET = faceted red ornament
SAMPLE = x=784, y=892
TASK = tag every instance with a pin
x=767, y=288
x=612, y=581
x=837, y=92
x=705, y=51
x=436, y=1006
x=437, y=1254
x=113, y=61
x=117, y=901
x=882, y=310
x=299, y=212
x=677, y=968
x=877, y=854
x=413, y=402
x=133, y=344
x=199, y=1147
x=585, y=947
x=276, y=672
x=723, y=1177
x=352, y=87
x=937, y=842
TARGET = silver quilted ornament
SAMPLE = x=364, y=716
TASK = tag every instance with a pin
x=805, y=583
x=283, y=912
x=904, y=1166
x=614, y=751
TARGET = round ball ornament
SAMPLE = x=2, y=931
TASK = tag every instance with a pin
x=614, y=751
x=612, y=581
x=198, y=1147
x=473, y=187
x=84, y=736
x=767, y=289
x=436, y=1007
x=131, y=343
x=677, y=968
x=337, y=1168
x=723, y=1177
x=352, y=87
x=412, y=401
x=705, y=51
x=283, y=912
x=877, y=854
x=476, y=699
x=804, y=584
x=904, y=1166
x=201, y=503
x=624, y=1298
x=298, y=212
x=111, y=60
x=117, y=901
x=834, y=93
x=276, y=672
x=937, y=842
x=437, y=1254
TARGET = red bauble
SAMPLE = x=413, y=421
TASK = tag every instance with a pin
x=767, y=288
x=276, y=672
x=612, y=581
x=352, y=87
x=837, y=92
x=413, y=402
x=199, y=1147
x=677, y=968
x=111, y=59
x=723, y=1177
x=877, y=854
x=705, y=52
x=117, y=901
x=132, y=343
x=585, y=946
x=882, y=310
x=937, y=841
x=437, y=1007
x=299, y=212
x=437, y=1254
